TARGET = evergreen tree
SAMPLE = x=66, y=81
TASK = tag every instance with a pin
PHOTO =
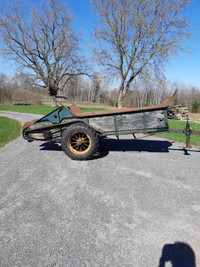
x=195, y=106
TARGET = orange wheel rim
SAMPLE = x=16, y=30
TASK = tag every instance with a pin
x=79, y=143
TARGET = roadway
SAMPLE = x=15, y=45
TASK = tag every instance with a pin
x=136, y=204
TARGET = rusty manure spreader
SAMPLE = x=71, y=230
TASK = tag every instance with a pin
x=79, y=132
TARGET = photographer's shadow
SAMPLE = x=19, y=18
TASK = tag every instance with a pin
x=178, y=254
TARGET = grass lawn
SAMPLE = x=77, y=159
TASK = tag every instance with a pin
x=42, y=110
x=9, y=130
x=175, y=124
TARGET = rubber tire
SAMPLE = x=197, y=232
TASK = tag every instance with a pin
x=83, y=129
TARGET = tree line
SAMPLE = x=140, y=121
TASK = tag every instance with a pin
x=145, y=91
x=130, y=38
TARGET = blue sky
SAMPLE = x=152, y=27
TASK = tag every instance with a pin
x=186, y=67
x=183, y=68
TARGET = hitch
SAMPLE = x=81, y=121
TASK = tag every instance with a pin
x=187, y=131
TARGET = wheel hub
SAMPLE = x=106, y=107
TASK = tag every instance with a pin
x=80, y=141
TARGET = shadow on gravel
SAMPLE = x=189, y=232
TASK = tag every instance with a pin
x=185, y=150
x=178, y=254
x=51, y=146
x=124, y=145
x=131, y=145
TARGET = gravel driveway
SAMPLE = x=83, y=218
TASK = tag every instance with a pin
x=136, y=204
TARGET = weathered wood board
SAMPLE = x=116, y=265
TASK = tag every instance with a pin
x=131, y=121
x=155, y=119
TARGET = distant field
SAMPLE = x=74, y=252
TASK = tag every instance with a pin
x=9, y=130
x=46, y=100
x=42, y=110
x=94, y=106
x=195, y=116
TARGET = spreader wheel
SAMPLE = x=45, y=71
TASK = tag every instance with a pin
x=79, y=141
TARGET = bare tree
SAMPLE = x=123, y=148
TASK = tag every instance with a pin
x=137, y=34
x=3, y=80
x=41, y=39
x=96, y=87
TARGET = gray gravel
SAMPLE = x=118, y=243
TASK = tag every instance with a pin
x=135, y=202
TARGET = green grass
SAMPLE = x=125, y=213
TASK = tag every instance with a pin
x=9, y=130
x=175, y=124
x=42, y=110
x=91, y=109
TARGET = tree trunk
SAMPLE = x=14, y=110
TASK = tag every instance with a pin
x=120, y=103
x=54, y=102
x=121, y=94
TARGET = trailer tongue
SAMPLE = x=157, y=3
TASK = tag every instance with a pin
x=79, y=132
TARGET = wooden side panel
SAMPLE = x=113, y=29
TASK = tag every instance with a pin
x=103, y=124
x=130, y=121
x=155, y=119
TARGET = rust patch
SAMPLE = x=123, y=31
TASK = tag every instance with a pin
x=166, y=102
x=74, y=109
x=27, y=124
